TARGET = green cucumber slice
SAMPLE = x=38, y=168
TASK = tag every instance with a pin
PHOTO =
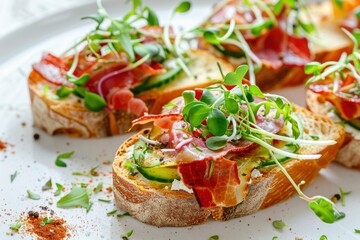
x=158, y=80
x=165, y=174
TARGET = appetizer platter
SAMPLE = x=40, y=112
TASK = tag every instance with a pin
x=211, y=155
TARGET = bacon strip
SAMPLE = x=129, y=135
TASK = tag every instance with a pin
x=213, y=186
x=348, y=108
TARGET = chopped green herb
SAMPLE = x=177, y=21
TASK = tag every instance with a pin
x=59, y=159
x=59, y=189
x=323, y=237
x=98, y=187
x=78, y=197
x=122, y=215
x=16, y=226
x=47, y=186
x=89, y=207
x=342, y=196
x=128, y=234
x=357, y=230
x=33, y=195
x=13, y=176
x=111, y=212
x=278, y=224
x=325, y=210
x=275, y=238
x=104, y=200
x=93, y=171
x=315, y=137
x=214, y=237
x=45, y=221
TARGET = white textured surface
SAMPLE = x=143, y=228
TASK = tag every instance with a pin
x=34, y=160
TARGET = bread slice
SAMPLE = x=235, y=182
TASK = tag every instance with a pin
x=330, y=42
x=71, y=117
x=349, y=154
x=156, y=204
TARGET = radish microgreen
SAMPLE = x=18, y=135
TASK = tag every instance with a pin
x=226, y=116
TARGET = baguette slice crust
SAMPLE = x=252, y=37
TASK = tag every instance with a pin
x=71, y=117
x=330, y=43
x=349, y=154
x=160, y=206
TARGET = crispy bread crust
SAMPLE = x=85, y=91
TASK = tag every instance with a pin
x=349, y=154
x=69, y=116
x=163, y=207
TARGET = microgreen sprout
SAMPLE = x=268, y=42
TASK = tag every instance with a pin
x=266, y=16
x=349, y=64
x=226, y=116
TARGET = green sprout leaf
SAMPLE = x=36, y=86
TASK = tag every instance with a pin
x=152, y=18
x=323, y=237
x=78, y=81
x=59, y=159
x=313, y=68
x=217, y=122
x=94, y=102
x=59, y=189
x=210, y=37
x=188, y=96
x=33, y=195
x=231, y=105
x=16, y=226
x=122, y=215
x=214, y=237
x=216, y=142
x=198, y=113
x=255, y=90
x=47, y=186
x=128, y=234
x=64, y=91
x=324, y=209
x=78, y=197
x=45, y=221
x=357, y=230
x=207, y=97
x=13, y=176
x=183, y=7
x=278, y=224
x=98, y=187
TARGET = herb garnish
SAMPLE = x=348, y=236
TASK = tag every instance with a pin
x=13, y=176
x=78, y=197
x=16, y=226
x=357, y=230
x=128, y=234
x=323, y=237
x=122, y=215
x=33, y=195
x=47, y=186
x=278, y=224
x=214, y=237
x=59, y=189
x=91, y=173
x=111, y=212
x=98, y=187
x=59, y=159
x=104, y=200
x=89, y=207
x=267, y=16
x=227, y=123
x=342, y=196
x=45, y=221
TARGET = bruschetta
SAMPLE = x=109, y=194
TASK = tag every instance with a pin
x=223, y=152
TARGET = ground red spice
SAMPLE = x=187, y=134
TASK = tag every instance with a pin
x=53, y=231
x=3, y=145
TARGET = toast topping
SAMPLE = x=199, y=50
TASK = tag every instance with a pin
x=269, y=33
x=221, y=134
x=338, y=82
x=117, y=60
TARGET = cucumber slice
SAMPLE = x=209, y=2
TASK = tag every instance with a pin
x=158, y=80
x=165, y=174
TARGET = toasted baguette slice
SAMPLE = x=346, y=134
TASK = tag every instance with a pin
x=71, y=117
x=349, y=154
x=330, y=42
x=156, y=204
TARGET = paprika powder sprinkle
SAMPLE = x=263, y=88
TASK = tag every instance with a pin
x=2, y=146
x=56, y=230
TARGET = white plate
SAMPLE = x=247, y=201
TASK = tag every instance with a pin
x=34, y=160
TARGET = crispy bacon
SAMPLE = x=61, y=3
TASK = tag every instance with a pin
x=214, y=182
x=348, y=108
x=52, y=69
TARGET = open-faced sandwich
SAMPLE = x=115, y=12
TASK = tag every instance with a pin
x=224, y=151
x=120, y=70
x=275, y=38
x=334, y=92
